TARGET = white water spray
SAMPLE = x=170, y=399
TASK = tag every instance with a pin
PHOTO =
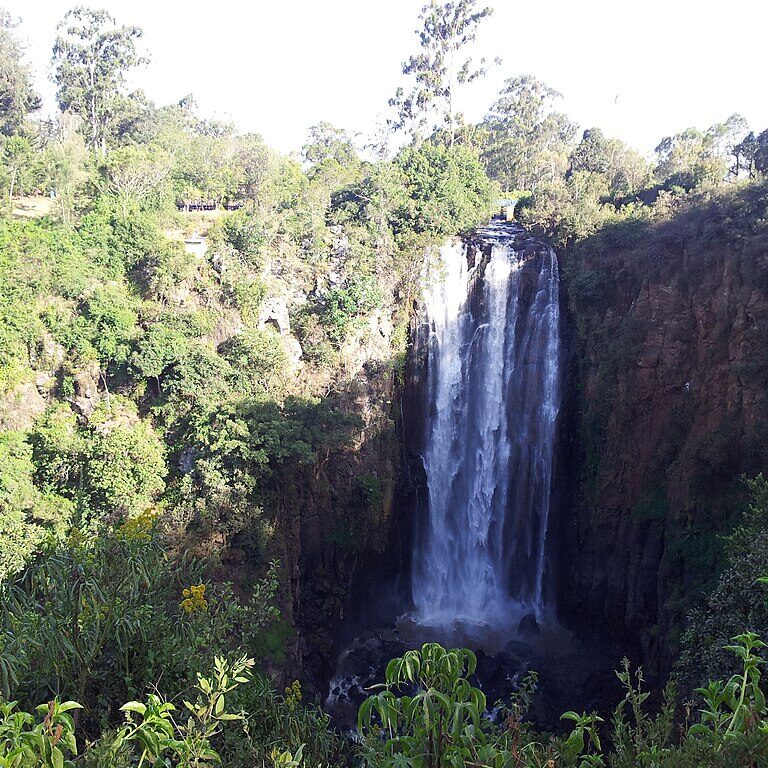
x=493, y=394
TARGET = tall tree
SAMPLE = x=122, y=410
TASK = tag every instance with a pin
x=91, y=57
x=527, y=142
x=17, y=97
x=439, y=68
x=625, y=170
x=135, y=172
x=17, y=154
x=751, y=154
x=66, y=166
x=330, y=155
x=695, y=157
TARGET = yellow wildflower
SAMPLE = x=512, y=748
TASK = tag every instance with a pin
x=194, y=599
x=293, y=694
x=138, y=528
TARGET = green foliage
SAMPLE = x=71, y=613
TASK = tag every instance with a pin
x=199, y=378
x=133, y=626
x=111, y=468
x=345, y=306
x=249, y=453
x=107, y=319
x=27, y=743
x=154, y=733
x=440, y=724
x=371, y=491
x=258, y=359
x=737, y=601
x=27, y=515
x=446, y=192
x=638, y=738
x=281, y=729
x=527, y=143
x=17, y=96
x=331, y=157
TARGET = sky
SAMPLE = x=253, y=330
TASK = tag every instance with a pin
x=640, y=70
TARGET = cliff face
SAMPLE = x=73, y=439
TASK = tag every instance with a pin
x=667, y=407
x=334, y=518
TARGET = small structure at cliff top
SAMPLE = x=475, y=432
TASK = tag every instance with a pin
x=506, y=208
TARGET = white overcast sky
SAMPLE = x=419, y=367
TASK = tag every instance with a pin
x=639, y=70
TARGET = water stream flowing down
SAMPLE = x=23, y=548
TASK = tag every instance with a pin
x=493, y=393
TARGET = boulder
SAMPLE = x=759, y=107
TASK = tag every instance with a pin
x=528, y=626
x=86, y=396
x=275, y=312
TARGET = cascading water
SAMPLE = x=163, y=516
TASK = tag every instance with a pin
x=493, y=392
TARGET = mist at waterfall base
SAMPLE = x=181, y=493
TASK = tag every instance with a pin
x=491, y=388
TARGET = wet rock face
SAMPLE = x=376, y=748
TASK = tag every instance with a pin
x=667, y=407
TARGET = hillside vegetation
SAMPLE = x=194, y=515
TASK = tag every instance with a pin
x=202, y=345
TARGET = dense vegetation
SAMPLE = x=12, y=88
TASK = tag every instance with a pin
x=166, y=410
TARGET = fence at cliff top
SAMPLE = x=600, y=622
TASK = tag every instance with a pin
x=493, y=394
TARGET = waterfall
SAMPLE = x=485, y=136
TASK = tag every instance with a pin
x=493, y=393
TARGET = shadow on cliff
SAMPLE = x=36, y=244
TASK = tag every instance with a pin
x=666, y=409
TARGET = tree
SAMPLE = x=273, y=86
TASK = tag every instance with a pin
x=136, y=171
x=332, y=163
x=330, y=153
x=693, y=157
x=447, y=192
x=438, y=70
x=66, y=166
x=751, y=154
x=569, y=209
x=17, y=97
x=625, y=170
x=257, y=162
x=27, y=516
x=527, y=142
x=17, y=154
x=91, y=58
x=206, y=164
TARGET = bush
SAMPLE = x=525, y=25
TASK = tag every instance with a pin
x=346, y=306
x=259, y=360
x=110, y=468
x=143, y=619
x=737, y=601
x=28, y=517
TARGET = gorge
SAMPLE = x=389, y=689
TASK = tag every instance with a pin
x=646, y=415
x=437, y=443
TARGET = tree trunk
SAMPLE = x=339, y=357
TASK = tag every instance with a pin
x=11, y=187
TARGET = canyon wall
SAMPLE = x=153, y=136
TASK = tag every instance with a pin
x=666, y=409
